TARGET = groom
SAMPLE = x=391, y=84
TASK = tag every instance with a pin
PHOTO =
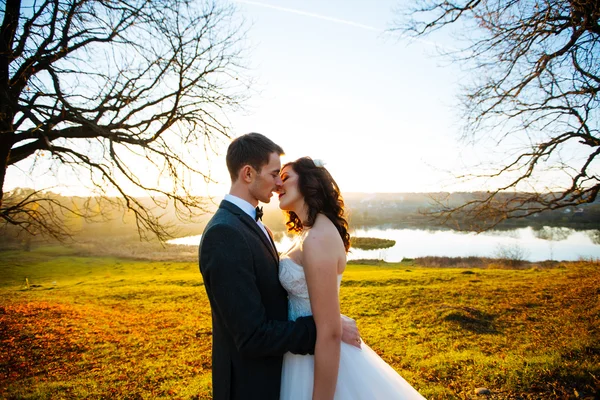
x=239, y=264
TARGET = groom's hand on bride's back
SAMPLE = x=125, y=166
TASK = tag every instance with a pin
x=350, y=332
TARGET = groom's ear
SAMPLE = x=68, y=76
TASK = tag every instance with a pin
x=247, y=173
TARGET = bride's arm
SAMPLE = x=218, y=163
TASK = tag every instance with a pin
x=320, y=264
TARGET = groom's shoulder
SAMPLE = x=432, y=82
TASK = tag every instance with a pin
x=225, y=228
x=223, y=216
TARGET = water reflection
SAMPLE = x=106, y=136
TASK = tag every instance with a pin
x=548, y=243
x=594, y=236
x=553, y=233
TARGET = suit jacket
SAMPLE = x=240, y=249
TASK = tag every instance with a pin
x=240, y=268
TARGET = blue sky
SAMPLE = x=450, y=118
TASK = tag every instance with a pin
x=376, y=107
x=331, y=83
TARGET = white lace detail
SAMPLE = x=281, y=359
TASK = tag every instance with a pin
x=293, y=280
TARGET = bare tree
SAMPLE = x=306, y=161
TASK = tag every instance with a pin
x=535, y=78
x=117, y=92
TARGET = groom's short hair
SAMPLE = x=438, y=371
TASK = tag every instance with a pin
x=251, y=149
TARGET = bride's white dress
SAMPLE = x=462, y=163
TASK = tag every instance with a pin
x=362, y=373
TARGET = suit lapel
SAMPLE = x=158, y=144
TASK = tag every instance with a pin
x=245, y=218
x=271, y=237
x=272, y=243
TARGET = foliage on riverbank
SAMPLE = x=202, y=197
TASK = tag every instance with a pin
x=101, y=327
x=369, y=243
x=480, y=262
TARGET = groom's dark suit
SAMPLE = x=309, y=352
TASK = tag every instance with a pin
x=251, y=333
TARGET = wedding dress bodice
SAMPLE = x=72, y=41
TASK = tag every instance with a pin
x=362, y=373
x=293, y=280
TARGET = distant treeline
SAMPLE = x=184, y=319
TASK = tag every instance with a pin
x=413, y=210
x=401, y=210
x=392, y=210
x=96, y=217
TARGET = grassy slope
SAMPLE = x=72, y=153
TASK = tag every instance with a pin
x=104, y=327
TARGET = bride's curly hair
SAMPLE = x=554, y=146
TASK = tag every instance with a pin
x=321, y=195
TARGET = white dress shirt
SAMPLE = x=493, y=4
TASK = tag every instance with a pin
x=248, y=209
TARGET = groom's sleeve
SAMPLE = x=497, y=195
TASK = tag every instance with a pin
x=228, y=272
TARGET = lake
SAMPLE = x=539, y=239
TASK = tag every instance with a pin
x=549, y=243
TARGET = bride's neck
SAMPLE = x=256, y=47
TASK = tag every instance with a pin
x=302, y=213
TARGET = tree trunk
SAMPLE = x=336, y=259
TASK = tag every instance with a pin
x=4, y=152
x=7, y=36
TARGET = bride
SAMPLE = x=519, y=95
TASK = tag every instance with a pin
x=311, y=272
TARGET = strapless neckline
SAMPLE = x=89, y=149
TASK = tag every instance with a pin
x=295, y=264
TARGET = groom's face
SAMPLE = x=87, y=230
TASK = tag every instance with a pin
x=267, y=180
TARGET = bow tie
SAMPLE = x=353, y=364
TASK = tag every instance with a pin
x=259, y=213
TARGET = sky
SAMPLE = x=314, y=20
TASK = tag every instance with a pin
x=377, y=108
x=332, y=83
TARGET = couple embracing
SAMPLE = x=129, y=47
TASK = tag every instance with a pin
x=277, y=328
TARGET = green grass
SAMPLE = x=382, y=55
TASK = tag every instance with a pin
x=100, y=327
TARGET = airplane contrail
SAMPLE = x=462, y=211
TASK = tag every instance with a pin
x=342, y=21
x=308, y=14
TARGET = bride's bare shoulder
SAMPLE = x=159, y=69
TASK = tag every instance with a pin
x=323, y=230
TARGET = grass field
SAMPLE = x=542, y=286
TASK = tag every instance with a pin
x=100, y=327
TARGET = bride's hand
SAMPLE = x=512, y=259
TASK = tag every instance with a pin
x=350, y=332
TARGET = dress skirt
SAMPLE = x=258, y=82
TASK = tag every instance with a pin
x=362, y=375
